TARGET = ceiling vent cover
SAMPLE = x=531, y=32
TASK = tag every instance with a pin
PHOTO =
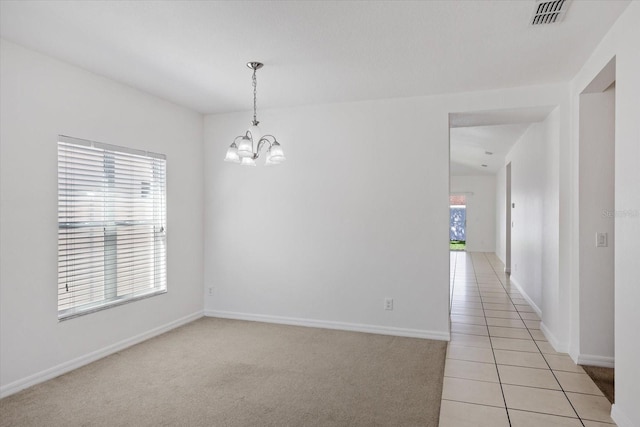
x=549, y=11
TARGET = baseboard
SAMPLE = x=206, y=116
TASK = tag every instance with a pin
x=557, y=345
x=620, y=418
x=533, y=305
x=507, y=270
x=65, y=367
x=343, y=326
x=592, y=360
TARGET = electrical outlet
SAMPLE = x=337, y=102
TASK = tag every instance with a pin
x=388, y=303
x=211, y=291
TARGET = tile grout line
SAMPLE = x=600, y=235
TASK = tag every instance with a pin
x=495, y=361
x=463, y=289
x=536, y=344
x=453, y=284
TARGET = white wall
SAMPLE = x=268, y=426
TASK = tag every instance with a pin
x=596, y=170
x=532, y=180
x=481, y=210
x=555, y=291
x=344, y=223
x=527, y=193
x=620, y=42
x=536, y=261
x=347, y=221
x=501, y=218
x=41, y=98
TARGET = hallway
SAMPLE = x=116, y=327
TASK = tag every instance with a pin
x=500, y=370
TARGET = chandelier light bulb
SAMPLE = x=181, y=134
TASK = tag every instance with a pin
x=232, y=154
x=245, y=148
x=276, y=155
x=247, y=161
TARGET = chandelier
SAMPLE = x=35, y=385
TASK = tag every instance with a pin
x=251, y=144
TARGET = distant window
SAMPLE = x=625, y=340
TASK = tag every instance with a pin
x=457, y=218
x=111, y=226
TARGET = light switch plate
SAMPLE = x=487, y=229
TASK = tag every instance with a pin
x=602, y=240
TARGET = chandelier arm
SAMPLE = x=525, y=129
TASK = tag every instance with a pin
x=261, y=144
x=250, y=137
x=265, y=140
x=269, y=136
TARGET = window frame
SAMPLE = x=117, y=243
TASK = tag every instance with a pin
x=156, y=227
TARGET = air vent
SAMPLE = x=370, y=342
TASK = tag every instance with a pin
x=549, y=12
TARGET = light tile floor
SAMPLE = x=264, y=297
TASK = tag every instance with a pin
x=500, y=370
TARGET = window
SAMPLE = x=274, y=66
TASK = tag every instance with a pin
x=111, y=226
x=457, y=222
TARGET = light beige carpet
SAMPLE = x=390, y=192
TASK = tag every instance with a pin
x=215, y=372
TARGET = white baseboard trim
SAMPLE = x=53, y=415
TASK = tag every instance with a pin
x=620, y=418
x=526, y=297
x=325, y=324
x=507, y=270
x=65, y=367
x=593, y=360
x=557, y=345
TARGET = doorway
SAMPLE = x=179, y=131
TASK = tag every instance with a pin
x=457, y=222
x=597, y=220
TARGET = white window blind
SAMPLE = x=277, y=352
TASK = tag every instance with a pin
x=111, y=226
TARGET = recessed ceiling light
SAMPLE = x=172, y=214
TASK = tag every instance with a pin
x=484, y=166
x=488, y=153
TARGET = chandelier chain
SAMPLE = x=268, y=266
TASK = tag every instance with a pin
x=255, y=84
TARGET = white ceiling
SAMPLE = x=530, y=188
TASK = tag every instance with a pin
x=472, y=135
x=194, y=52
x=470, y=144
